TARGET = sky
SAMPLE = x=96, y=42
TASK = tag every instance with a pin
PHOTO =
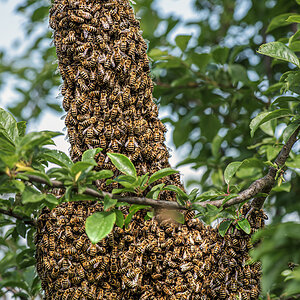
x=11, y=35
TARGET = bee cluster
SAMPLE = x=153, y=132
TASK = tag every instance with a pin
x=146, y=260
x=108, y=98
x=107, y=88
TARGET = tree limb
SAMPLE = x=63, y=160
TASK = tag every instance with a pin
x=262, y=185
x=25, y=219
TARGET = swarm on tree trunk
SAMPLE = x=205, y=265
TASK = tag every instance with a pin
x=108, y=98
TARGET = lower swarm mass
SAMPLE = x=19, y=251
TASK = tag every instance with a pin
x=108, y=98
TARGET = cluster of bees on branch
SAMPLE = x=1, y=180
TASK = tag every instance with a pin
x=108, y=98
x=146, y=260
x=107, y=88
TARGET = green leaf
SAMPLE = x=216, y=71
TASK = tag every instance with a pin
x=289, y=130
x=21, y=128
x=267, y=116
x=30, y=195
x=33, y=139
x=103, y=174
x=161, y=173
x=81, y=166
x=293, y=19
x=21, y=228
x=8, y=126
x=177, y=190
x=109, y=202
x=128, y=218
x=224, y=226
x=278, y=21
x=39, y=174
x=52, y=199
x=245, y=226
x=123, y=164
x=19, y=185
x=137, y=207
x=99, y=225
x=88, y=155
x=280, y=51
x=294, y=37
x=182, y=41
x=119, y=218
x=57, y=157
x=230, y=170
x=154, y=192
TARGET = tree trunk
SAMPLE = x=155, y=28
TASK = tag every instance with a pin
x=108, y=98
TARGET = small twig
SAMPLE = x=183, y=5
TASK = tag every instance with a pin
x=25, y=219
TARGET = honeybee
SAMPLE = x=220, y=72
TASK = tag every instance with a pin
x=114, y=111
x=131, y=144
x=82, y=85
x=123, y=43
x=108, y=130
x=65, y=283
x=114, y=144
x=70, y=73
x=104, y=263
x=83, y=73
x=132, y=49
x=92, y=250
x=126, y=66
x=231, y=252
x=77, y=294
x=117, y=55
x=102, y=142
x=92, y=292
x=89, y=28
x=70, y=38
x=128, y=283
x=99, y=275
x=104, y=23
x=113, y=266
x=84, y=14
x=126, y=96
x=245, y=296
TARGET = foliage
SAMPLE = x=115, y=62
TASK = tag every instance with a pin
x=231, y=111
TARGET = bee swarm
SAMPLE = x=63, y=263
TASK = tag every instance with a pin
x=108, y=98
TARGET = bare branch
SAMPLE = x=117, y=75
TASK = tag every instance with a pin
x=25, y=219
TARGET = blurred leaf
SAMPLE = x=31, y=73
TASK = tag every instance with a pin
x=182, y=41
x=267, y=116
x=293, y=19
x=220, y=55
x=279, y=21
x=201, y=60
x=119, y=218
x=99, y=225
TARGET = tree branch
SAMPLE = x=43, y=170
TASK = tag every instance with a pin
x=262, y=185
x=25, y=219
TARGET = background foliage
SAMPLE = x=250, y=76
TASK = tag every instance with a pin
x=213, y=84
